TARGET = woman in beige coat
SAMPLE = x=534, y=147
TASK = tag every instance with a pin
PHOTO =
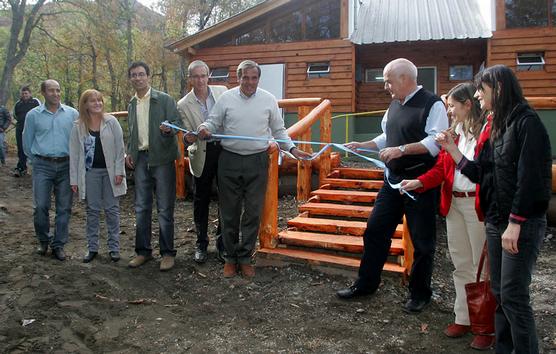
x=97, y=170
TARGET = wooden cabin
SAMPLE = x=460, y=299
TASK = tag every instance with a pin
x=336, y=49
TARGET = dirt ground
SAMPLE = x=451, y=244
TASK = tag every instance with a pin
x=70, y=307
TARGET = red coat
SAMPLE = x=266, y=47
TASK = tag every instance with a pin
x=443, y=171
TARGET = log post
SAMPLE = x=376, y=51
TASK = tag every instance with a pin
x=180, y=168
x=407, y=249
x=325, y=137
x=304, y=169
x=268, y=229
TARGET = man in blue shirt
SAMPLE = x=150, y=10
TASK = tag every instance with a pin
x=46, y=142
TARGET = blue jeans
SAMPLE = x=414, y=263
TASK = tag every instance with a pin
x=160, y=180
x=2, y=147
x=49, y=176
x=510, y=278
x=101, y=197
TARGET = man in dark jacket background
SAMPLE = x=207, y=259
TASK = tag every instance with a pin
x=25, y=103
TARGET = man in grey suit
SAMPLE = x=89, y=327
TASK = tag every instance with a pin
x=194, y=109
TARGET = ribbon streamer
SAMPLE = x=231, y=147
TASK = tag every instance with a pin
x=326, y=146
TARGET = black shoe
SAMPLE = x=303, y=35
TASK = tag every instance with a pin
x=200, y=255
x=89, y=256
x=114, y=256
x=416, y=306
x=59, y=254
x=43, y=248
x=353, y=291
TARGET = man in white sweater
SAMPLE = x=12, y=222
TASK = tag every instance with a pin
x=243, y=164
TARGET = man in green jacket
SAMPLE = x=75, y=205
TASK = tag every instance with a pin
x=151, y=151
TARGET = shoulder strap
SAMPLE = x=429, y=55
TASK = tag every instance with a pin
x=484, y=257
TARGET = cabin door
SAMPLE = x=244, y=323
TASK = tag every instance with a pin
x=272, y=79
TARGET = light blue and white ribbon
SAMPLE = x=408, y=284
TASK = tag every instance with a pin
x=326, y=146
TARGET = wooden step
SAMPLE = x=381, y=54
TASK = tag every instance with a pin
x=343, y=210
x=352, y=244
x=359, y=173
x=345, y=196
x=353, y=183
x=333, y=226
x=323, y=258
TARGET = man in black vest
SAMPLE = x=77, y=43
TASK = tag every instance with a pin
x=408, y=148
x=25, y=103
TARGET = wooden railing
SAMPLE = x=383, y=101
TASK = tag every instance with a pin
x=310, y=110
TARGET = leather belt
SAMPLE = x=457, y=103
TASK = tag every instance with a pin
x=463, y=194
x=53, y=159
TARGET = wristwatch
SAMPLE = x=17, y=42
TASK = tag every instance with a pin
x=402, y=149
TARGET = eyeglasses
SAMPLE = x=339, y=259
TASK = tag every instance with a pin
x=136, y=75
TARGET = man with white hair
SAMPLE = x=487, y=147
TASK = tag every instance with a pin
x=408, y=148
x=194, y=109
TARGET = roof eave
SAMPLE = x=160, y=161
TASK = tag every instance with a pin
x=223, y=26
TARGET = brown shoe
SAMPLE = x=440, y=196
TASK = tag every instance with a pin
x=247, y=270
x=482, y=342
x=230, y=270
x=455, y=330
x=166, y=263
x=138, y=261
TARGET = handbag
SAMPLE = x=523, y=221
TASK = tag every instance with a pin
x=480, y=301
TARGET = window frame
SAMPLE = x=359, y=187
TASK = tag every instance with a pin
x=219, y=78
x=317, y=74
x=540, y=66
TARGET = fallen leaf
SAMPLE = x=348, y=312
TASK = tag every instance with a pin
x=424, y=328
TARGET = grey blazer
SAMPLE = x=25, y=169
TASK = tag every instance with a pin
x=113, y=148
x=192, y=117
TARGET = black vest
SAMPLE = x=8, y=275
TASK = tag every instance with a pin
x=406, y=125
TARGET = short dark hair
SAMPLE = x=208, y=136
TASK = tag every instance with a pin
x=137, y=64
x=25, y=88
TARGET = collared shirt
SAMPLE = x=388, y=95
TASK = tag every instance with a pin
x=437, y=121
x=143, y=107
x=47, y=133
x=254, y=116
x=466, y=145
x=207, y=105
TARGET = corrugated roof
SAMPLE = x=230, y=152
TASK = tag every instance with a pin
x=382, y=21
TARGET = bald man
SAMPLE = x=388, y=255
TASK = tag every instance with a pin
x=408, y=148
x=46, y=143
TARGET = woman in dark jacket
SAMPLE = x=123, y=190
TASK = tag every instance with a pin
x=514, y=173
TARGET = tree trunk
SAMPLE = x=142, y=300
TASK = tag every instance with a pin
x=18, y=43
x=113, y=81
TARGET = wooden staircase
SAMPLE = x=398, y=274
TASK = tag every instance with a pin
x=331, y=224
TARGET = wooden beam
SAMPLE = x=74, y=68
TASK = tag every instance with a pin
x=226, y=25
x=344, y=18
x=268, y=231
x=500, y=15
x=304, y=167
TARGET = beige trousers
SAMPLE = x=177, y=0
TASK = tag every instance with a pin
x=466, y=237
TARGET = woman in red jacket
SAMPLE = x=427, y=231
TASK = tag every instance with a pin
x=466, y=233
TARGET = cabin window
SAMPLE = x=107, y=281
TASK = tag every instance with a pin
x=316, y=70
x=373, y=75
x=219, y=74
x=530, y=61
x=287, y=28
x=254, y=36
x=528, y=13
x=461, y=72
x=426, y=76
x=322, y=20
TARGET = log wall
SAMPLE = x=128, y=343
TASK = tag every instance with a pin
x=441, y=54
x=339, y=87
x=506, y=43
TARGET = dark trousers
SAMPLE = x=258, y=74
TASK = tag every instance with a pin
x=160, y=180
x=22, y=158
x=202, y=194
x=242, y=187
x=387, y=212
x=510, y=279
